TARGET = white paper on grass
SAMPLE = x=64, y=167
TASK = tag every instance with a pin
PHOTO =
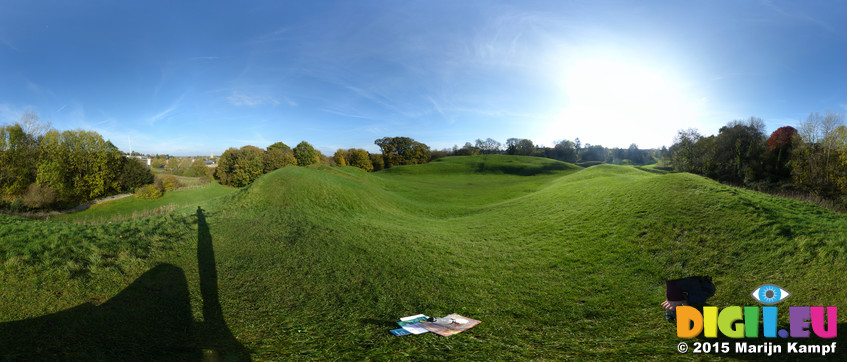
x=412, y=317
x=415, y=329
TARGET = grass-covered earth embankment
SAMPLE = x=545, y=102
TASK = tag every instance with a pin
x=557, y=261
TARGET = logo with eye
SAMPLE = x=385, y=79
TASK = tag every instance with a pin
x=769, y=294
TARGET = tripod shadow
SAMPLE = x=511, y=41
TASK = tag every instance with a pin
x=216, y=339
x=150, y=319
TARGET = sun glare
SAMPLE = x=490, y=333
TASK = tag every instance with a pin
x=624, y=102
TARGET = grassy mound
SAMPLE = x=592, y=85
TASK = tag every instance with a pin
x=557, y=261
x=486, y=164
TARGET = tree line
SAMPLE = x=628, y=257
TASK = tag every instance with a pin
x=811, y=158
x=43, y=167
x=564, y=150
x=241, y=166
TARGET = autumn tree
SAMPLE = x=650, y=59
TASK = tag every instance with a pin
x=277, y=156
x=519, y=146
x=79, y=165
x=402, y=151
x=18, y=150
x=239, y=167
x=43, y=165
x=360, y=158
x=565, y=151
x=595, y=153
x=377, y=161
x=468, y=150
x=488, y=146
x=135, y=174
x=815, y=163
x=306, y=154
x=738, y=149
x=779, y=149
x=197, y=168
x=280, y=146
x=159, y=161
x=340, y=158
x=682, y=152
x=705, y=162
x=33, y=125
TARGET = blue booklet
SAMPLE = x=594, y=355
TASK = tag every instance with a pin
x=399, y=332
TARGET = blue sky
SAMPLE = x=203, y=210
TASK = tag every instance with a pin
x=193, y=78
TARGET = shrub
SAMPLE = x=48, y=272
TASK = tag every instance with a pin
x=148, y=192
x=135, y=174
x=39, y=196
x=17, y=205
x=168, y=183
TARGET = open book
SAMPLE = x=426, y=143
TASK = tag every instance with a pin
x=452, y=328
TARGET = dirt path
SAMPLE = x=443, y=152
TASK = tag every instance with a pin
x=62, y=212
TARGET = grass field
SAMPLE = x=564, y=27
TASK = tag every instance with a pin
x=184, y=181
x=557, y=261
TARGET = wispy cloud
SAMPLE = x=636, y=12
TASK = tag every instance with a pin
x=204, y=58
x=389, y=103
x=163, y=114
x=9, y=44
x=271, y=37
x=377, y=98
x=9, y=113
x=500, y=113
x=290, y=102
x=239, y=99
x=32, y=86
x=803, y=17
x=180, y=145
x=439, y=109
x=349, y=114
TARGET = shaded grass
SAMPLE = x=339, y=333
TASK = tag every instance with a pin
x=76, y=250
x=569, y=263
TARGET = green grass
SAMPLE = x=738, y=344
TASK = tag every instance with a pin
x=131, y=207
x=185, y=181
x=557, y=261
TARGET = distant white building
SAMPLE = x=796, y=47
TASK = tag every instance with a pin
x=147, y=160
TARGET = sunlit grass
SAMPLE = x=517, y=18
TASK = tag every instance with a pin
x=558, y=262
x=132, y=207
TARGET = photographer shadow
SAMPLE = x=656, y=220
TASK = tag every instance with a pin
x=150, y=319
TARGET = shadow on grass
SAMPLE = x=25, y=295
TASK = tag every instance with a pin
x=150, y=319
x=214, y=333
x=519, y=169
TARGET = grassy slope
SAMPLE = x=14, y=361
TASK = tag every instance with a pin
x=126, y=207
x=564, y=263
